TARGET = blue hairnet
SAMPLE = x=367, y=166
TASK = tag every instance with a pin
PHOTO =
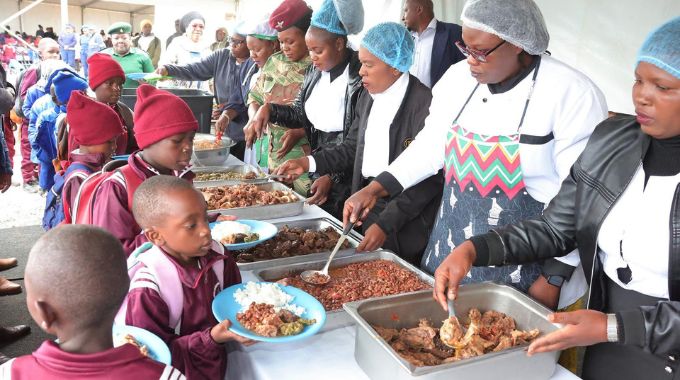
x=662, y=48
x=391, y=43
x=339, y=16
x=519, y=22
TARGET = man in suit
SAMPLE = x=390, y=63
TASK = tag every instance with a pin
x=435, y=49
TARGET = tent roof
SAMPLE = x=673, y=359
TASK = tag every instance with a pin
x=110, y=6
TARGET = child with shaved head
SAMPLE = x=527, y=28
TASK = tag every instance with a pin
x=171, y=293
x=76, y=280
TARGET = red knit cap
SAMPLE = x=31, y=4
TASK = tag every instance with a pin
x=160, y=114
x=288, y=13
x=103, y=67
x=91, y=122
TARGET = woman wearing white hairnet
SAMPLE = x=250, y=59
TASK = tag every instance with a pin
x=388, y=114
x=188, y=48
x=506, y=125
x=619, y=206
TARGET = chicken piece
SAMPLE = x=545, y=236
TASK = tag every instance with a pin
x=266, y=330
x=419, y=337
x=385, y=333
x=494, y=325
x=504, y=344
x=523, y=337
x=287, y=316
x=451, y=332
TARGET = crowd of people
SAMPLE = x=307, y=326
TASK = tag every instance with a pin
x=467, y=150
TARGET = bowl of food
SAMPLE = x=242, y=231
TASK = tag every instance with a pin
x=269, y=312
x=148, y=343
x=242, y=234
x=210, y=152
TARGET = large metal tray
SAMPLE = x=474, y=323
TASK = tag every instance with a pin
x=269, y=211
x=241, y=169
x=380, y=362
x=336, y=318
x=354, y=238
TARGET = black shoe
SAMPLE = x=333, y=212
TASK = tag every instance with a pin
x=10, y=334
x=4, y=358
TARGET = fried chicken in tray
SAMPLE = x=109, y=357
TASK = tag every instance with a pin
x=426, y=345
x=227, y=197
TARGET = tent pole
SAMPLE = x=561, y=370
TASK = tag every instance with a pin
x=64, y=14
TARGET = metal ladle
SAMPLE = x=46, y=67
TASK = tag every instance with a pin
x=316, y=277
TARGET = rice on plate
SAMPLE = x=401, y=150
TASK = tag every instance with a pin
x=268, y=293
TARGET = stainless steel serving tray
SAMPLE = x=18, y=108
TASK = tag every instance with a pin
x=240, y=169
x=265, y=212
x=380, y=362
x=336, y=318
x=354, y=238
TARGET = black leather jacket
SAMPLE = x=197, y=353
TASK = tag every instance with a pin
x=573, y=219
x=294, y=115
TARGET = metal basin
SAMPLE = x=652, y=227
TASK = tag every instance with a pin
x=380, y=362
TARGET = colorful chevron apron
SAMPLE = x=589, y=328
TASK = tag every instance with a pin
x=484, y=189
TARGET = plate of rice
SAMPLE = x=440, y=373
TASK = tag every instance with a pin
x=242, y=234
x=149, y=344
x=239, y=302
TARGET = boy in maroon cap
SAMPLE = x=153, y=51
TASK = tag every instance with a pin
x=96, y=142
x=79, y=306
x=106, y=78
x=173, y=215
x=165, y=129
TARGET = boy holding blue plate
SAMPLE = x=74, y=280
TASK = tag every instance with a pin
x=177, y=275
x=57, y=296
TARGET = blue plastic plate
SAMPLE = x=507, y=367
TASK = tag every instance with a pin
x=136, y=76
x=224, y=306
x=146, y=76
x=265, y=230
x=121, y=157
x=158, y=350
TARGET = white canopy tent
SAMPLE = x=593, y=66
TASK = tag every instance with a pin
x=600, y=38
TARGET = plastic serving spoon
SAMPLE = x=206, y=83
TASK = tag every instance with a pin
x=316, y=277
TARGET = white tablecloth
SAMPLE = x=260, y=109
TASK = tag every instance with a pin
x=328, y=355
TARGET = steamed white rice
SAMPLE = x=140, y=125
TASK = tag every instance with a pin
x=227, y=228
x=271, y=294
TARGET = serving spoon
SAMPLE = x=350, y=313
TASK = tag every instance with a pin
x=321, y=277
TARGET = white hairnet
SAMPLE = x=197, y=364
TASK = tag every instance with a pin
x=662, y=48
x=519, y=22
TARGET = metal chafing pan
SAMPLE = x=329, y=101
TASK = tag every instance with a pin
x=240, y=169
x=267, y=212
x=211, y=157
x=380, y=362
x=336, y=318
x=354, y=238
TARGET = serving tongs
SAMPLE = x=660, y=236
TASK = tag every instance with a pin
x=316, y=277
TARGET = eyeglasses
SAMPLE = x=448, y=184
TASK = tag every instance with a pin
x=234, y=42
x=479, y=55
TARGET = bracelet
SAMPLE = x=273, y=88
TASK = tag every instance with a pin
x=612, y=329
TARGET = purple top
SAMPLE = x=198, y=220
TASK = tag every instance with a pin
x=194, y=352
x=49, y=362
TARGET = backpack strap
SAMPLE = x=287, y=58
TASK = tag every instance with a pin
x=75, y=170
x=150, y=268
x=132, y=182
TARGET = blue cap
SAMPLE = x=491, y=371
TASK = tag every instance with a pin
x=65, y=82
x=341, y=17
x=391, y=43
x=662, y=48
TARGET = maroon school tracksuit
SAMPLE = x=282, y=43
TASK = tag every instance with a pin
x=194, y=352
x=49, y=362
x=94, y=160
x=29, y=170
x=111, y=205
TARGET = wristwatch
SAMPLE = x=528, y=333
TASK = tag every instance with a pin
x=612, y=329
x=555, y=280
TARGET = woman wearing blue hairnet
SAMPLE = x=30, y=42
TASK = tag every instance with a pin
x=387, y=117
x=620, y=206
x=506, y=125
x=324, y=108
